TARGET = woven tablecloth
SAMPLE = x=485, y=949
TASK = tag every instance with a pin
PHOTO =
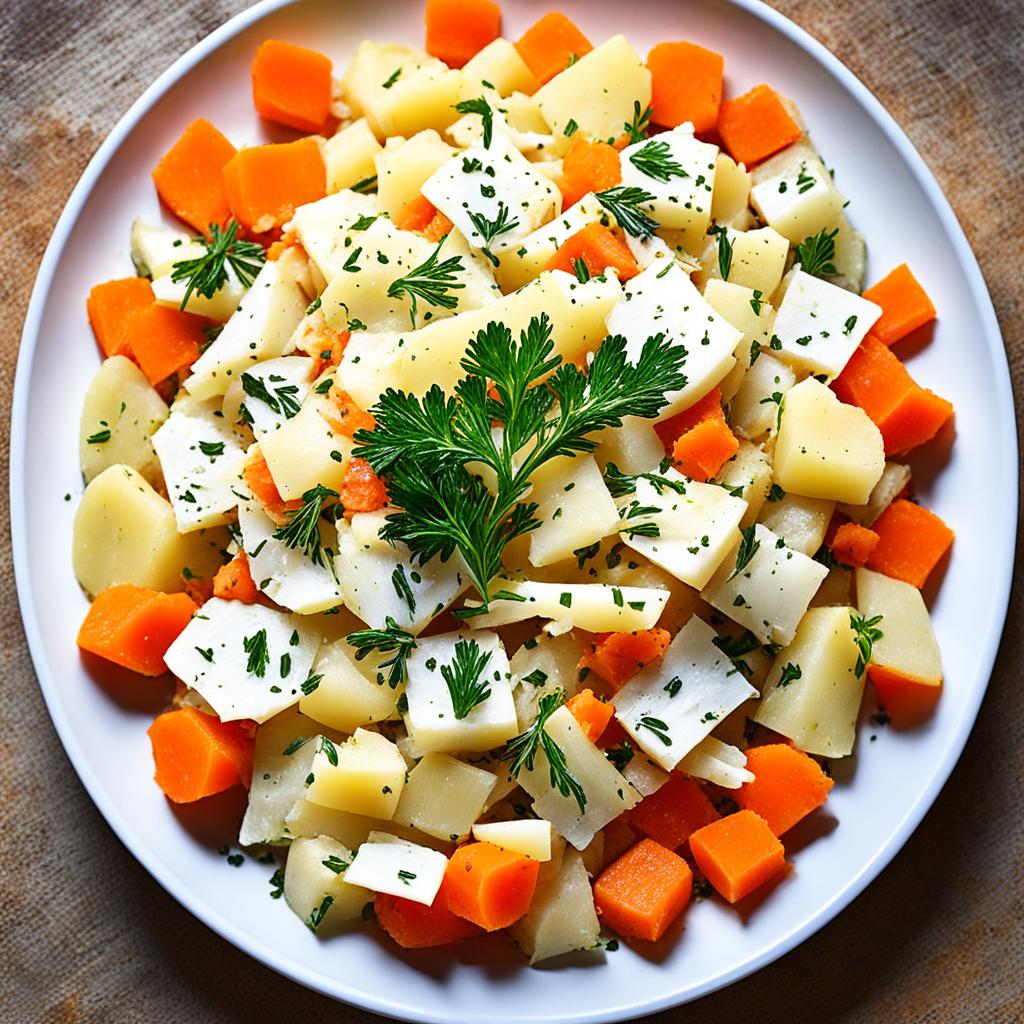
x=87, y=936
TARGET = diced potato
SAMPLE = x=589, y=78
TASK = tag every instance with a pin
x=309, y=820
x=717, y=762
x=125, y=532
x=561, y=918
x=588, y=306
x=749, y=472
x=346, y=697
x=385, y=863
x=372, y=65
x=673, y=703
x=795, y=197
x=517, y=119
x=529, y=836
x=155, y=248
x=769, y=593
x=851, y=257
x=607, y=793
x=731, y=195
x=349, y=156
x=364, y=775
x=305, y=451
x=826, y=449
x=574, y=509
x=597, y=91
x=753, y=411
x=813, y=693
x=749, y=312
x=542, y=665
x=247, y=660
x=758, y=260
x=120, y=414
x=431, y=718
x=220, y=306
x=644, y=775
x=315, y=888
x=402, y=170
x=499, y=65
x=443, y=797
x=632, y=448
x=893, y=481
x=323, y=226
x=907, y=646
x=837, y=589
x=801, y=522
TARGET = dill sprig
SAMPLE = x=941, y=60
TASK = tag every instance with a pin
x=656, y=161
x=206, y=274
x=623, y=203
x=391, y=640
x=489, y=230
x=431, y=281
x=816, y=253
x=545, y=408
x=303, y=527
x=465, y=677
x=522, y=751
x=483, y=108
x=866, y=632
x=748, y=548
x=637, y=128
x=259, y=654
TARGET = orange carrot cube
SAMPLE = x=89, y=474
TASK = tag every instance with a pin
x=551, y=44
x=787, y=785
x=702, y=452
x=292, y=85
x=756, y=125
x=908, y=701
x=361, y=489
x=599, y=249
x=686, y=85
x=592, y=714
x=674, y=812
x=415, y=926
x=644, y=891
x=234, y=581
x=617, y=657
x=738, y=854
x=905, y=305
x=459, y=29
x=588, y=167
x=709, y=407
x=164, y=340
x=911, y=541
x=489, y=886
x=852, y=544
x=111, y=305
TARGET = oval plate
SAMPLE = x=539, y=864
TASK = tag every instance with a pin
x=882, y=793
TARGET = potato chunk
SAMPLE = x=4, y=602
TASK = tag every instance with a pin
x=364, y=775
x=315, y=888
x=349, y=156
x=347, y=694
x=443, y=797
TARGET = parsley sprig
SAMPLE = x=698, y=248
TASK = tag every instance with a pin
x=637, y=128
x=623, y=203
x=206, y=274
x=620, y=484
x=545, y=409
x=656, y=161
x=483, y=108
x=278, y=397
x=489, y=229
x=303, y=527
x=866, y=632
x=392, y=639
x=467, y=683
x=259, y=654
x=431, y=281
x=748, y=548
x=816, y=253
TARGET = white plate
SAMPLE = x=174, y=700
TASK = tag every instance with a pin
x=882, y=794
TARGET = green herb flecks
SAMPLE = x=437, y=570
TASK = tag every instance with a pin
x=206, y=274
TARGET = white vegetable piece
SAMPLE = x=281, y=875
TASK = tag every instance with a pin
x=820, y=325
x=730, y=199
x=697, y=525
x=665, y=301
x=574, y=509
x=201, y=458
x=826, y=449
x=315, y=887
x=120, y=413
x=285, y=574
x=758, y=259
x=749, y=471
x=156, y=248
x=754, y=409
x=219, y=306
x=542, y=665
x=480, y=190
x=770, y=592
x=348, y=156
x=813, y=693
x=562, y=917
x=891, y=484
x=387, y=864
x=679, y=171
x=717, y=762
x=364, y=775
x=348, y=694
x=247, y=661
x=444, y=796
x=404, y=166
x=500, y=65
x=271, y=393
x=431, y=717
x=801, y=522
x=632, y=448
x=529, y=836
x=322, y=227
x=597, y=91
x=379, y=580
x=607, y=793
x=591, y=606
x=796, y=197
x=308, y=820
x=644, y=775
x=259, y=329
x=674, y=702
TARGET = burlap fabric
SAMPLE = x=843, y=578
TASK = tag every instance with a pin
x=86, y=937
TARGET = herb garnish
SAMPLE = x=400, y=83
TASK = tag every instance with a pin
x=206, y=274
x=303, y=527
x=623, y=203
x=637, y=128
x=656, y=161
x=816, y=253
x=391, y=638
x=867, y=633
x=430, y=281
x=282, y=401
x=259, y=656
x=747, y=549
x=483, y=108
x=467, y=683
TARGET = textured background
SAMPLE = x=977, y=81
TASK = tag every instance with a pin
x=87, y=936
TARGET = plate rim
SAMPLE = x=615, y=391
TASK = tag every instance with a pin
x=249, y=943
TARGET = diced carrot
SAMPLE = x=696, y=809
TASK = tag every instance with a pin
x=489, y=886
x=164, y=340
x=416, y=215
x=588, y=167
x=111, y=305
x=256, y=474
x=197, y=755
x=460, y=29
x=905, y=305
x=345, y=417
x=686, y=85
x=326, y=346
x=133, y=627
x=671, y=814
x=292, y=85
x=437, y=228
x=415, y=926
x=598, y=248
x=756, y=125
x=906, y=414
x=592, y=714
x=189, y=177
x=738, y=854
x=787, y=786
x=853, y=544
x=911, y=540
x=709, y=407
x=199, y=589
x=617, y=657
x=907, y=701
x=266, y=183
x=234, y=581
x=644, y=891
x=551, y=44
x=361, y=489
x=702, y=452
